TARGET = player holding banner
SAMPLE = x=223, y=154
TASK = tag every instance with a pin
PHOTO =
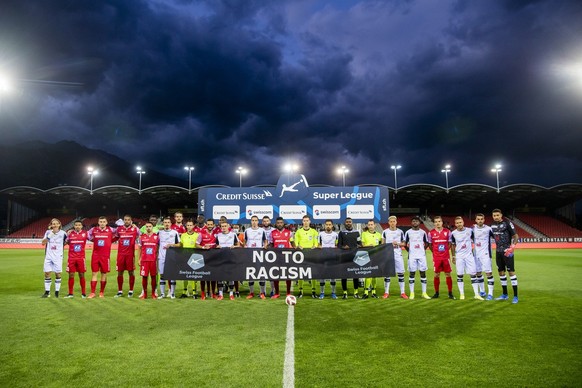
x=370, y=238
x=168, y=238
x=281, y=238
x=328, y=239
x=306, y=238
x=462, y=247
x=227, y=239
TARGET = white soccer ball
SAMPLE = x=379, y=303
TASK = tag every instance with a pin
x=291, y=300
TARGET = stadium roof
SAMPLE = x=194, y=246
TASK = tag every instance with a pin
x=425, y=196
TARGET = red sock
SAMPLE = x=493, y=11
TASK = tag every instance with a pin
x=450, y=284
x=119, y=283
x=154, y=285
x=93, y=286
x=71, y=285
x=276, y=284
x=83, y=285
x=437, y=284
x=103, y=284
x=144, y=285
x=131, y=282
x=288, y=284
x=202, y=287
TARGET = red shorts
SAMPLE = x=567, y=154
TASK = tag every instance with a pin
x=442, y=265
x=76, y=265
x=125, y=263
x=100, y=264
x=148, y=268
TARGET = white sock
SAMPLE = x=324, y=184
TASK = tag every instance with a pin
x=57, y=284
x=386, y=285
x=332, y=283
x=411, y=284
x=461, y=284
x=401, y=283
x=490, y=284
x=423, y=285
x=47, y=284
x=475, y=284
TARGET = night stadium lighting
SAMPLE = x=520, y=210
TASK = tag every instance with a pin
x=189, y=169
x=497, y=170
x=446, y=170
x=241, y=171
x=140, y=171
x=395, y=167
x=5, y=84
x=91, y=171
x=343, y=170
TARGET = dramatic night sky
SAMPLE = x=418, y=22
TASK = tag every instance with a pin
x=367, y=84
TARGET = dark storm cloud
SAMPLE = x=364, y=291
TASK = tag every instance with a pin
x=366, y=84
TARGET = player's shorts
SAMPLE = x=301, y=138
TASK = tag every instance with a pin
x=505, y=263
x=125, y=263
x=148, y=268
x=76, y=265
x=100, y=264
x=161, y=264
x=417, y=264
x=399, y=264
x=53, y=264
x=466, y=265
x=483, y=263
x=442, y=265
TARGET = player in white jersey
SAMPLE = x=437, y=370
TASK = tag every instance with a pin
x=227, y=239
x=462, y=251
x=395, y=236
x=483, y=235
x=268, y=228
x=54, y=241
x=168, y=238
x=327, y=239
x=256, y=237
x=416, y=244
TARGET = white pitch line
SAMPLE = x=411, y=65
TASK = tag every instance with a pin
x=289, y=366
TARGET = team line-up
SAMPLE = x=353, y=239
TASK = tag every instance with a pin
x=468, y=247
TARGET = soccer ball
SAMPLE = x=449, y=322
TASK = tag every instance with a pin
x=291, y=300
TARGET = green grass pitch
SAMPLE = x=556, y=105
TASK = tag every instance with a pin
x=349, y=343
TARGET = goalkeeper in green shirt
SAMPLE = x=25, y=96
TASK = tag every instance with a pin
x=306, y=238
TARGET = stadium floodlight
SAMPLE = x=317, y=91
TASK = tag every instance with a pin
x=92, y=172
x=140, y=171
x=395, y=167
x=241, y=171
x=446, y=170
x=497, y=170
x=5, y=84
x=343, y=170
x=189, y=169
x=290, y=168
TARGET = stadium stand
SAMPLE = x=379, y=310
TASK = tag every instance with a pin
x=38, y=227
x=549, y=226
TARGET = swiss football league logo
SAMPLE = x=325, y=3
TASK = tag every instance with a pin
x=196, y=261
x=361, y=258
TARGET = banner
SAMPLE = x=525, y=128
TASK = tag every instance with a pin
x=293, y=198
x=278, y=264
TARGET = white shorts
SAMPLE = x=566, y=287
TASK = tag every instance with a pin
x=53, y=264
x=399, y=264
x=483, y=263
x=466, y=265
x=417, y=264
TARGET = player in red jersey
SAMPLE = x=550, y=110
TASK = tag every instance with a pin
x=128, y=234
x=281, y=238
x=208, y=234
x=77, y=238
x=438, y=240
x=148, y=244
x=102, y=236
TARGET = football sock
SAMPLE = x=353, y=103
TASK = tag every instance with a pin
x=386, y=285
x=411, y=281
x=288, y=286
x=276, y=286
x=263, y=287
x=93, y=286
x=475, y=284
x=313, y=285
x=367, y=284
x=119, y=283
x=423, y=284
x=503, y=280
x=172, y=287
x=461, y=284
x=251, y=287
x=345, y=285
x=103, y=284
x=437, y=283
x=332, y=283
x=144, y=285
x=449, y=283
x=490, y=284
x=163, y=287
x=71, y=285
x=47, y=284
x=220, y=289
x=513, y=284
x=83, y=285
x=131, y=282
x=401, y=282
x=58, y=284
x=481, y=283
x=153, y=285
x=322, y=287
